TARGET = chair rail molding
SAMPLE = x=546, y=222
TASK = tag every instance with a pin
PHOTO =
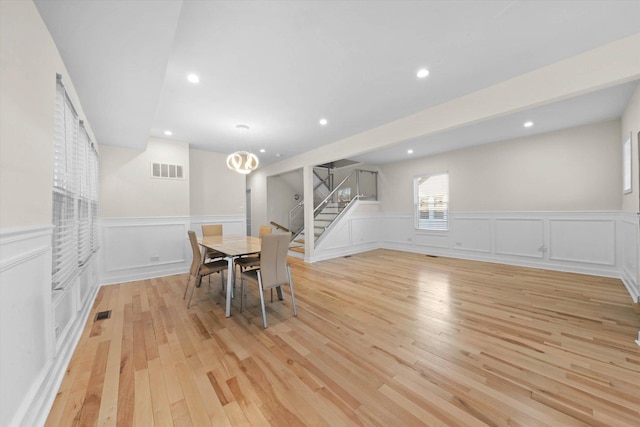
x=231, y=224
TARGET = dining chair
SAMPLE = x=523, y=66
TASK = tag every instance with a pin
x=274, y=271
x=199, y=269
x=253, y=260
x=212, y=230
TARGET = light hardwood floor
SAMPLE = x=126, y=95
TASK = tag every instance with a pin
x=382, y=338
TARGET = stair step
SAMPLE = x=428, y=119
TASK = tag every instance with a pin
x=297, y=249
x=325, y=217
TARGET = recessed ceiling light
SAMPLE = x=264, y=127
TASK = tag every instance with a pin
x=278, y=155
x=323, y=122
x=193, y=78
x=422, y=73
x=262, y=150
x=410, y=151
x=168, y=132
x=528, y=124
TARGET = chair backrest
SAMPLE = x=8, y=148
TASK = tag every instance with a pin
x=197, y=256
x=265, y=229
x=212, y=230
x=273, y=259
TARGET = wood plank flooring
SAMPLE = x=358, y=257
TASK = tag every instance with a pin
x=383, y=338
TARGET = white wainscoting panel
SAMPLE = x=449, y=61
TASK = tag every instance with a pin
x=397, y=228
x=142, y=248
x=589, y=241
x=471, y=234
x=34, y=353
x=26, y=330
x=365, y=230
x=357, y=231
x=630, y=253
x=519, y=237
x=581, y=242
x=135, y=246
x=432, y=239
x=338, y=237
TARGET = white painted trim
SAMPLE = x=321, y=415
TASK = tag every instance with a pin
x=145, y=219
x=23, y=257
x=51, y=382
x=19, y=246
x=610, y=267
x=111, y=272
x=132, y=277
x=11, y=235
x=343, y=251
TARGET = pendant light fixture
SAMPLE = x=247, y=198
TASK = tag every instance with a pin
x=242, y=161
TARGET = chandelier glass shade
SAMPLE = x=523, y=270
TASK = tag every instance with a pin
x=242, y=162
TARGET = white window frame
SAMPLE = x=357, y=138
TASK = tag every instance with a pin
x=435, y=208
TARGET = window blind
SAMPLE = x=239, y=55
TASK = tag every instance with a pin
x=432, y=202
x=75, y=197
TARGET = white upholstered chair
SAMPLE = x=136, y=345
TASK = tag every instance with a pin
x=199, y=269
x=273, y=270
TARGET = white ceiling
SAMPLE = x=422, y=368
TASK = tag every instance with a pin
x=279, y=66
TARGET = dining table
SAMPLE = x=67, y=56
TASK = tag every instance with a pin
x=233, y=247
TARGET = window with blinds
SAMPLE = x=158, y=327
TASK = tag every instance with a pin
x=432, y=202
x=75, y=192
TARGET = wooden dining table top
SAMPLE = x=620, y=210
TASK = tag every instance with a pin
x=232, y=245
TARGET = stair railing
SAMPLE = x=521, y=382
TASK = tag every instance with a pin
x=326, y=181
x=295, y=215
x=364, y=190
x=280, y=227
x=358, y=187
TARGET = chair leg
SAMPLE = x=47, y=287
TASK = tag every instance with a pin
x=242, y=286
x=191, y=296
x=264, y=312
x=186, y=288
x=293, y=297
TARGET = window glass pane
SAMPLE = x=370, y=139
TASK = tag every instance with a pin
x=432, y=202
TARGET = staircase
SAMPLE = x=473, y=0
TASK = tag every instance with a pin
x=337, y=202
x=322, y=220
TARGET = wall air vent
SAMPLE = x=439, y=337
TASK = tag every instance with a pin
x=164, y=170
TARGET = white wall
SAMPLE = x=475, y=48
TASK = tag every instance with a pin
x=144, y=220
x=215, y=189
x=570, y=170
x=127, y=188
x=39, y=327
x=547, y=201
x=28, y=70
x=281, y=190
